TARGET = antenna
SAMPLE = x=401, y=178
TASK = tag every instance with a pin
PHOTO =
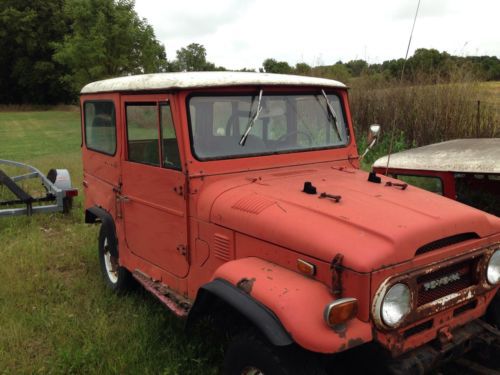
x=400, y=82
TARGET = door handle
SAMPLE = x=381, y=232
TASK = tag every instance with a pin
x=122, y=198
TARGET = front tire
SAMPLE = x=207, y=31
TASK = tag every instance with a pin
x=250, y=354
x=117, y=278
x=493, y=313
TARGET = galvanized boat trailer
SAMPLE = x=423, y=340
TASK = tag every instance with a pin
x=59, y=192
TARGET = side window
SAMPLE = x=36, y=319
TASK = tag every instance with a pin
x=171, y=158
x=142, y=133
x=432, y=184
x=100, y=126
x=481, y=191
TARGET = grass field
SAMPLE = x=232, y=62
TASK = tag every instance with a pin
x=491, y=91
x=55, y=314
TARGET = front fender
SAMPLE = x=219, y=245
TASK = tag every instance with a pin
x=297, y=301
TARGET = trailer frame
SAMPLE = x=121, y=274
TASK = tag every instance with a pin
x=57, y=184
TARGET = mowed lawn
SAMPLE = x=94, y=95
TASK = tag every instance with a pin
x=56, y=316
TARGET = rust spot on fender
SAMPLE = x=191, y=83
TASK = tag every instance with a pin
x=246, y=284
x=354, y=342
x=340, y=330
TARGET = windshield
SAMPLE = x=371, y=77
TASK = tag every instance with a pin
x=285, y=123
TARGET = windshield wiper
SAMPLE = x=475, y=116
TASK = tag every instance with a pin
x=244, y=137
x=331, y=111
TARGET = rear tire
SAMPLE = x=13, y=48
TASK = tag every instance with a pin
x=250, y=354
x=117, y=278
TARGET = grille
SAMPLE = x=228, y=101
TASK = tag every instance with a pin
x=446, y=281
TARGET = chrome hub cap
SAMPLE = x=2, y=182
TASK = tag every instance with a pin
x=110, y=263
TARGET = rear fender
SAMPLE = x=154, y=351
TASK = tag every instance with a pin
x=298, y=302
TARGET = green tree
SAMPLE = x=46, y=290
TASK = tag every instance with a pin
x=192, y=58
x=27, y=72
x=302, y=69
x=338, y=72
x=273, y=66
x=356, y=67
x=430, y=63
x=107, y=39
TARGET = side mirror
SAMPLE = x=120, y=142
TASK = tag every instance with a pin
x=372, y=139
x=374, y=131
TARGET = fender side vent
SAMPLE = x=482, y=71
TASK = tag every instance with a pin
x=222, y=247
x=447, y=241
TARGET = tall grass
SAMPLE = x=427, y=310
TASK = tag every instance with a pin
x=426, y=110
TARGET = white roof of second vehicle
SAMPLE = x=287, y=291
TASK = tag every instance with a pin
x=188, y=80
x=477, y=155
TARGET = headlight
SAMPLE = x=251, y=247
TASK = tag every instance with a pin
x=396, y=304
x=493, y=270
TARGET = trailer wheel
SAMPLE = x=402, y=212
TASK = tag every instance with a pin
x=117, y=278
x=250, y=354
x=67, y=204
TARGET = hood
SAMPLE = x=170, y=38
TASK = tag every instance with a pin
x=373, y=225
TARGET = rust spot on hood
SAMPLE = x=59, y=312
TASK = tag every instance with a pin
x=246, y=284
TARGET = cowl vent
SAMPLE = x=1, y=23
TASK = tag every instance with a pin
x=447, y=241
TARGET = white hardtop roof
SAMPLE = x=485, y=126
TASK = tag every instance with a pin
x=477, y=155
x=188, y=80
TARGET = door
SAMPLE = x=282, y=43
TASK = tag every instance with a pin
x=153, y=185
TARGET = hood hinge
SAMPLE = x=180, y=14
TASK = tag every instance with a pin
x=336, y=268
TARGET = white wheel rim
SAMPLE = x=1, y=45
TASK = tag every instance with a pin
x=110, y=263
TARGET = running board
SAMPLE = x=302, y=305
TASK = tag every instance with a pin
x=179, y=305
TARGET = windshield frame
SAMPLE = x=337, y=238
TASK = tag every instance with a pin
x=268, y=92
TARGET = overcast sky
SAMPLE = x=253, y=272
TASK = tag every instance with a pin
x=243, y=33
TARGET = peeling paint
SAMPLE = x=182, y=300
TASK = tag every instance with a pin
x=246, y=285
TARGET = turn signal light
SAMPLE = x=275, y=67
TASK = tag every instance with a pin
x=340, y=311
x=306, y=268
x=71, y=193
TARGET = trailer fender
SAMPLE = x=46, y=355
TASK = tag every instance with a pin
x=97, y=214
x=296, y=301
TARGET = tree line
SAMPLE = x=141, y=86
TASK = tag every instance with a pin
x=425, y=65
x=51, y=48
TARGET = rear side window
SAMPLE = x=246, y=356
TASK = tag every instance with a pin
x=100, y=126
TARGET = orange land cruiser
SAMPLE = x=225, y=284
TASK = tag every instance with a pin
x=240, y=195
